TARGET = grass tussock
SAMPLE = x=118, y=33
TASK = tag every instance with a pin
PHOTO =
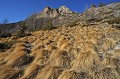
x=8, y=73
x=18, y=58
x=42, y=56
x=31, y=71
x=111, y=62
x=72, y=74
x=116, y=54
x=86, y=61
x=60, y=58
x=2, y=56
x=106, y=73
x=109, y=44
x=49, y=72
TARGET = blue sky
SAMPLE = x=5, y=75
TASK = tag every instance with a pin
x=18, y=10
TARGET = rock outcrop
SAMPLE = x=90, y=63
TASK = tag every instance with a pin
x=64, y=10
x=109, y=10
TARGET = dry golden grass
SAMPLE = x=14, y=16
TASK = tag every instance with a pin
x=111, y=62
x=42, y=56
x=7, y=72
x=60, y=58
x=51, y=48
x=106, y=73
x=2, y=56
x=16, y=59
x=72, y=74
x=49, y=72
x=116, y=54
x=86, y=61
x=65, y=53
x=14, y=54
x=31, y=71
x=109, y=44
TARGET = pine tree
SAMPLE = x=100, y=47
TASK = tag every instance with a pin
x=101, y=4
x=93, y=5
x=22, y=30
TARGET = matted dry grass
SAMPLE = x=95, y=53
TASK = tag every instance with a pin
x=49, y=72
x=64, y=53
x=87, y=61
x=72, y=74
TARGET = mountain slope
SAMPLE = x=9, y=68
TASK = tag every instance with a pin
x=64, y=16
x=78, y=52
x=82, y=48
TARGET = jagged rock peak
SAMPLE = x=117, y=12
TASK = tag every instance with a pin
x=48, y=13
x=64, y=10
x=46, y=9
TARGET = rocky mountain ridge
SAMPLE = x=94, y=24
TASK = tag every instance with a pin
x=63, y=16
x=112, y=9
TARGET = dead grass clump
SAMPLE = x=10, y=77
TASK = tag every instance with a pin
x=86, y=61
x=66, y=47
x=88, y=46
x=72, y=74
x=111, y=62
x=61, y=41
x=31, y=71
x=38, y=46
x=19, y=59
x=42, y=56
x=2, y=56
x=20, y=46
x=109, y=44
x=9, y=50
x=49, y=72
x=51, y=48
x=7, y=72
x=106, y=73
x=60, y=59
x=116, y=54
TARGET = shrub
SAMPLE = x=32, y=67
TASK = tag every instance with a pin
x=113, y=20
x=6, y=45
x=93, y=5
x=5, y=35
x=101, y=4
x=22, y=31
x=48, y=26
x=94, y=20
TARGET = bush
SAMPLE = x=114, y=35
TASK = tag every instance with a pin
x=5, y=35
x=94, y=20
x=101, y=4
x=22, y=31
x=93, y=5
x=113, y=20
x=6, y=45
x=48, y=26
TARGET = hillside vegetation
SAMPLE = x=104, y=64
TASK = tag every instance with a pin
x=79, y=52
